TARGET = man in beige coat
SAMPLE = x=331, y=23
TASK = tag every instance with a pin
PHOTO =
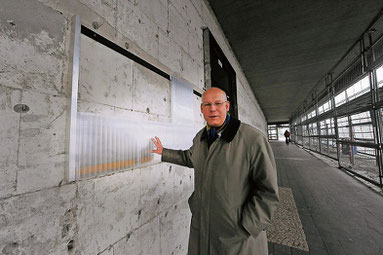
x=236, y=192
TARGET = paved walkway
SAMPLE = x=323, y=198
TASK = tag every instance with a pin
x=339, y=214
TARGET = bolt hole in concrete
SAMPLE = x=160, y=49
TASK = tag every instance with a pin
x=11, y=248
x=70, y=245
x=11, y=22
x=95, y=25
x=21, y=108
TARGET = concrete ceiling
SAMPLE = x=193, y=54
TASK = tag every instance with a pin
x=285, y=47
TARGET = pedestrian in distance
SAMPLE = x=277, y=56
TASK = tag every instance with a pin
x=287, y=136
x=235, y=182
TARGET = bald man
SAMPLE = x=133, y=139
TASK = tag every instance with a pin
x=235, y=182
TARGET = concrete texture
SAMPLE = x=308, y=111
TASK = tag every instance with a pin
x=249, y=110
x=156, y=89
x=100, y=85
x=42, y=137
x=285, y=48
x=32, y=64
x=9, y=140
x=32, y=46
x=339, y=214
x=141, y=210
x=38, y=223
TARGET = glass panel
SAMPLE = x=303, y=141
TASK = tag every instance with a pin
x=272, y=132
x=340, y=98
x=360, y=118
x=363, y=133
x=345, y=155
x=362, y=127
x=306, y=142
x=281, y=128
x=300, y=140
x=311, y=114
x=360, y=159
x=379, y=76
x=106, y=143
x=332, y=148
x=324, y=145
x=313, y=129
x=327, y=127
x=343, y=128
x=381, y=119
x=365, y=163
x=324, y=107
x=314, y=143
x=299, y=130
x=358, y=88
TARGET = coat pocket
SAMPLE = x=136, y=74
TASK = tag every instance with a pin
x=237, y=242
x=237, y=216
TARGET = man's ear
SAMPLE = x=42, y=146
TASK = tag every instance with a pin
x=201, y=108
x=227, y=106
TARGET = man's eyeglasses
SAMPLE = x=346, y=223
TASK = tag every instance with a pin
x=216, y=104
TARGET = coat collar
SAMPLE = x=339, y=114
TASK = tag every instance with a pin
x=229, y=132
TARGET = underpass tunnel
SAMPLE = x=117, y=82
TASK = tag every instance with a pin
x=86, y=85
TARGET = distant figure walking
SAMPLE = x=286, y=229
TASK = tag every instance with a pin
x=287, y=136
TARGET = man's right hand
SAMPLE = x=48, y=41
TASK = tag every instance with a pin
x=158, y=144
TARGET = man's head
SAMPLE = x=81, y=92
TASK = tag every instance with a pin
x=214, y=106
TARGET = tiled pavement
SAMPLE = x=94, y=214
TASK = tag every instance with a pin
x=339, y=214
x=286, y=227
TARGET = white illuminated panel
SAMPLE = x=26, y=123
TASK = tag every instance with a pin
x=109, y=144
x=182, y=101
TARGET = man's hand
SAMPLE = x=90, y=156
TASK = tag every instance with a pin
x=158, y=144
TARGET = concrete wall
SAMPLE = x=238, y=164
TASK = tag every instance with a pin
x=139, y=211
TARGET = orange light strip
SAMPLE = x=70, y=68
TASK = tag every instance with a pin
x=111, y=166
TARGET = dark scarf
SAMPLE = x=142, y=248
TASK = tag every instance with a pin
x=212, y=132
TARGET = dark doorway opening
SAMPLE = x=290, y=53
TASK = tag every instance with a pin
x=222, y=74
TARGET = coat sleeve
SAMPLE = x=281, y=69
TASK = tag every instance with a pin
x=178, y=157
x=263, y=197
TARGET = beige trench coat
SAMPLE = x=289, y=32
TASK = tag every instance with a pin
x=235, y=193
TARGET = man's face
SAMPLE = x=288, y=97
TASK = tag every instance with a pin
x=214, y=107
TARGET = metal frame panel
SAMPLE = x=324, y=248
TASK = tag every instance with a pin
x=72, y=98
